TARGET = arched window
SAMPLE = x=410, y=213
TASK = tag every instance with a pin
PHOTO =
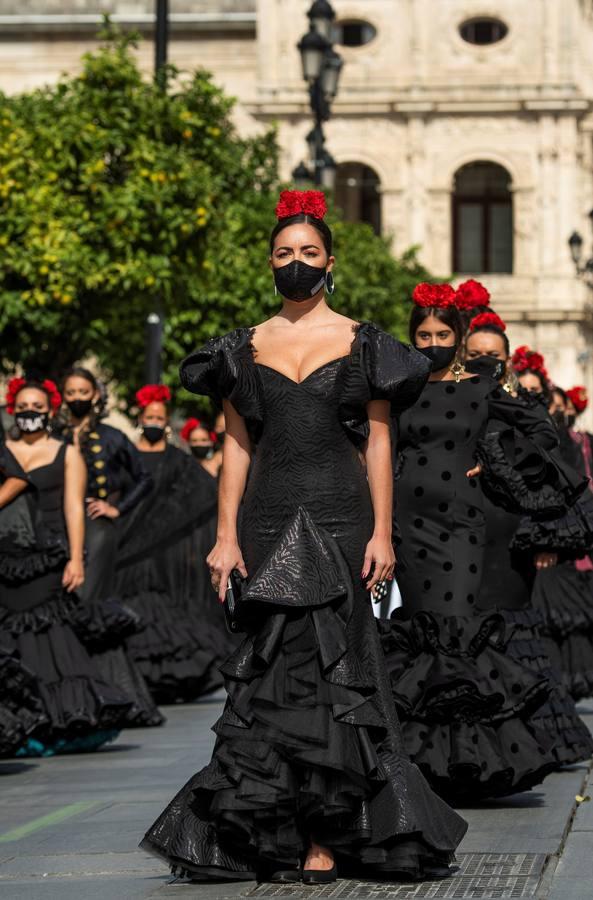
x=358, y=194
x=482, y=219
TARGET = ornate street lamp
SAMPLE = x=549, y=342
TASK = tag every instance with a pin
x=575, y=243
x=322, y=17
x=301, y=176
x=321, y=70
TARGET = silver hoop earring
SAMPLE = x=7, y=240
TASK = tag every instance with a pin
x=330, y=284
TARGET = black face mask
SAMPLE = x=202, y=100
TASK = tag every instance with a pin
x=202, y=452
x=440, y=357
x=220, y=437
x=30, y=421
x=570, y=420
x=153, y=433
x=299, y=281
x=559, y=419
x=79, y=408
x=488, y=366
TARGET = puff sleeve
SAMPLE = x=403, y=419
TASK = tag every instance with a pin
x=223, y=369
x=381, y=368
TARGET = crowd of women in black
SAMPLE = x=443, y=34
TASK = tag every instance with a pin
x=344, y=737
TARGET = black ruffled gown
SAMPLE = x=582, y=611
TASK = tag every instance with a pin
x=41, y=622
x=115, y=473
x=178, y=655
x=466, y=705
x=309, y=742
x=528, y=487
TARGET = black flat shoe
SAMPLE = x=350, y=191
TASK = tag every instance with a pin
x=320, y=876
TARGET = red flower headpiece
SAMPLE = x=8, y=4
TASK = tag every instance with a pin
x=489, y=318
x=311, y=203
x=524, y=358
x=579, y=398
x=152, y=393
x=439, y=295
x=191, y=425
x=471, y=294
x=16, y=384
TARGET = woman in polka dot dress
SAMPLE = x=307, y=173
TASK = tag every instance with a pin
x=466, y=707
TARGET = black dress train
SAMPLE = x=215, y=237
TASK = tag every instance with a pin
x=308, y=745
x=467, y=706
x=178, y=655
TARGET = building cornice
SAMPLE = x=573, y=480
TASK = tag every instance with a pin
x=26, y=27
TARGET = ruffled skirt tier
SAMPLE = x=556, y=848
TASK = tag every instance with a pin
x=469, y=710
x=306, y=748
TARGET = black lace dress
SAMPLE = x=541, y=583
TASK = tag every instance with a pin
x=309, y=743
x=178, y=654
x=42, y=623
x=467, y=707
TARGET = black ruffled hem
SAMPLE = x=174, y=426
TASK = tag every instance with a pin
x=467, y=707
x=177, y=663
x=21, y=566
x=304, y=748
x=64, y=609
x=21, y=707
x=106, y=624
x=557, y=716
x=116, y=667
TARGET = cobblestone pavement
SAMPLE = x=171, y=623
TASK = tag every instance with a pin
x=70, y=826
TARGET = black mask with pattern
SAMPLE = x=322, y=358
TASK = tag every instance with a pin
x=299, y=281
x=488, y=366
x=30, y=421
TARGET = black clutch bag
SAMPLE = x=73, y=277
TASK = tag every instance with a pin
x=232, y=601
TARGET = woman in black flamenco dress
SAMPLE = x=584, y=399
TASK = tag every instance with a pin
x=466, y=706
x=523, y=488
x=178, y=655
x=116, y=483
x=308, y=767
x=41, y=569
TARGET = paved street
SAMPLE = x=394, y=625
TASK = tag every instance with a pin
x=69, y=828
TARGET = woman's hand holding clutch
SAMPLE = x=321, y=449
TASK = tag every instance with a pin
x=222, y=559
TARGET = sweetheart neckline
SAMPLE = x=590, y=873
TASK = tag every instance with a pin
x=307, y=377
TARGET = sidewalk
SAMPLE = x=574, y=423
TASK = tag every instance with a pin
x=69, y=829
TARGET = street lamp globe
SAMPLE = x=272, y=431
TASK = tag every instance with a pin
x=330, y=73
x=575, y=242
x=301, y=176
x=321, y=16
x=312, y=48
x=329, y=171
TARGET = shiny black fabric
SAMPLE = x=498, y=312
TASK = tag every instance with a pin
x=114, y=467
x=176, y=655
x=309, y=743
x=21, y=706
x=466, y=706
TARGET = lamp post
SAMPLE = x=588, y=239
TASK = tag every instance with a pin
x=321, y=70
x=583, y=269
x=155, y=320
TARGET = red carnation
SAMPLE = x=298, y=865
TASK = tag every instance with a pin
x=292, y=203
x=489, y=318
x=189, y=426
x=152, y=393
x=439, y=295
x=524, y=358
x=15, y=385
x=471, y=294
x=579, y=398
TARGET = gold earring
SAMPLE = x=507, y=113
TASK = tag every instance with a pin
x=457, y=369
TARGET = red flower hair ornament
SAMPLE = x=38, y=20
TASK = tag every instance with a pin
x=437, y=295
x=292, y=203
x=578, y=396
x=487, y=319
x=524, y=358
x=471, y=294
x=152, y=393
x=191, y=425
x=16, y=384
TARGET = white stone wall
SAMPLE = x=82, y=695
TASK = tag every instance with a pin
x=415, y=104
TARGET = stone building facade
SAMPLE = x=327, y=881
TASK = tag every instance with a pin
x=461, y=126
